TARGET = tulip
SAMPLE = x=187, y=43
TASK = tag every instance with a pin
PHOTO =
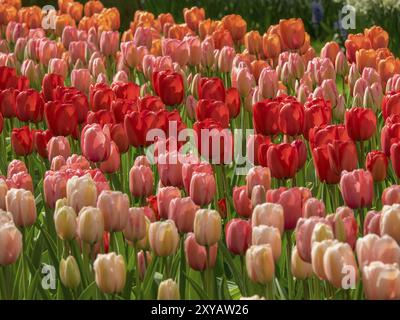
x=317, y=112
x=168, y=290
x=182, y=211
x=225, y=59
x=81, y=79
x=344, y=225
x=3, y=192
x=360, y=123
x=313, y=207
x=8, y=102
x=236, y=26
x=164, y=197
x=81, y=192
x=202, y=188
x=390, y=221
x=260, y=263
x=164, y=238
x=357, y=188
x=376, y=162
x=321, y=232
x=110, y=272
x=241, y=202
x=269, y=214
x=300, y=269
x=207, y=227
x=391, y=195
x=21, y=203
x=90, y=225
x=58, y=146
x=339, y=262
x=69, y=273
x=268, y=235
x=213, y=109
x=283, y=160
x=258, y=176
x=169, y=86
x=114, y=206
x=317, y=256
x=29, y=106
x=292, y=33
x=109, y=41
x=112, y=164
x=61, y=118
x=372, y=223
x=238, y=236
x=169, y=166
x=65, y=221
x=271, y=45
x=196, y=255
x=135, y=228
x=381, y=281
x=95, y=142
x=10, y=243
x=141, y=181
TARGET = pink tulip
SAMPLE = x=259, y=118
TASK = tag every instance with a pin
x=357, y=188
x=268, y=83
x=10, y=243
x=20, y=180
x=178, y=50
x=58, y=146
x=188, y=169
x=169, y=166
x=344, y=225
x=69, y=35
x=47, y=50
x=16, y=166
x=55, y=187
x=241, y=202
x=81, y=79
x=141, y=181
x=113, y=163
x=96, y=142
x=77, y=50
x=114, y=206
x=225, y=59
x=164, y=198
x=109, y=41
x=391, y=195
x=258, y=176
x=372, y=223
x=58, y=66
x=238, y=236
x=182, y=211
x=57, y=163
x=313, y=207
x=202, y=188
x=143, y=37
x=196, y=255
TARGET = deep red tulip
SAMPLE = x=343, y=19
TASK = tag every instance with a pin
x=377, y=163
x=321, y=136
x=49, y=84
x=120, y=107
x=213, y=109
x=151, y=103
x=283, y=160
x=238, y=236
x=360, y=123
x=265, y=117
x=232, y=101
x=126, y=90
x=22, y=141
x=61, y=118
x=211, y=88
x=291, y=118
x=40, y=140
x=119, y=136
x=101, y=117
x=77, y=98
x=29, y=106
x=254, y=143
x=390, y=133
x=101, y=96
x=5, y=74
x=8, y=102
x=220, y=141
x=301, y=151
x=342, y=155
x=391, y=104
x=395, y=158
x=169, y=86
x=262, y=155
x=317, y=112
x=357, y=188
x=322, y=165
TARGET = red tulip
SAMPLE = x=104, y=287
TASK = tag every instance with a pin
x=220, y=141
x=395, y=158
x=100, y=117
x=120, y=107
x=238, y=236
x=75, y=97
x=317, y=112
x=8, y=102
x=391, y=104
x=211, y=88
x=151, y=103
x=241, y=202
x=196, y=255
x=101, y=96
x=232, y=101
x=61, y=118
x=40, y=140
x=119, y=136
x=265, y=117
x=169, y=86
x=22, y=141
x=342, y=155
x=213, y=109
x=344, y=225
x=321, y=136
x=126, y=90
x=283, y=160
x=357, y=188
x=291, y=118
x=95, y=142
x=254, y=143
x=113, y=162
x=301, y=151
x=29, y=106
x=49, y=84
x=5, y=74
x=390, y=133
x=377, y=163
x=360, y=123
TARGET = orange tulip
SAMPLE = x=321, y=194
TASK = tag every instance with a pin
x=7, y=13
x=271, y=45
x=61, y=22
x=193, y=17
x=365, y=58
x=292, y=33
x=75, y=10
x=32, y=16
x=387, y=68
x=164, y=18
x=178, y=31
x=383, y=53
x=92, y=7
x=253, y=42
x=207, y=27
x=330, y=50
x=378, y=37
x=256, y=67
x=354, y=43
x=236, y=25
x=87, y=22
x=222, y=38
x=63, y=5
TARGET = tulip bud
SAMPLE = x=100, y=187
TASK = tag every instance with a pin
x=317, y=257
x=313, y=207
x=339, y=263
x=144, y=259
x=238, y=236
x=135, y=228
x=258, y=196
x=69, y=273
x=21, y=203
x=110, y=272
x=196, y=255
x=141, y=181
x=300, y=269
x=241, y=202
x=114, y=206
x=260, y=264
x=390, y=221
x=268, y=235
x=10, y=243
x=65, y=220
x=207, y=227
x=81, y=192
x=164, y=238
x=269, y=214
x=168, y=290
x=90, y=225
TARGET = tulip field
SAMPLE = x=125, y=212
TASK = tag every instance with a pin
x=185, y=157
